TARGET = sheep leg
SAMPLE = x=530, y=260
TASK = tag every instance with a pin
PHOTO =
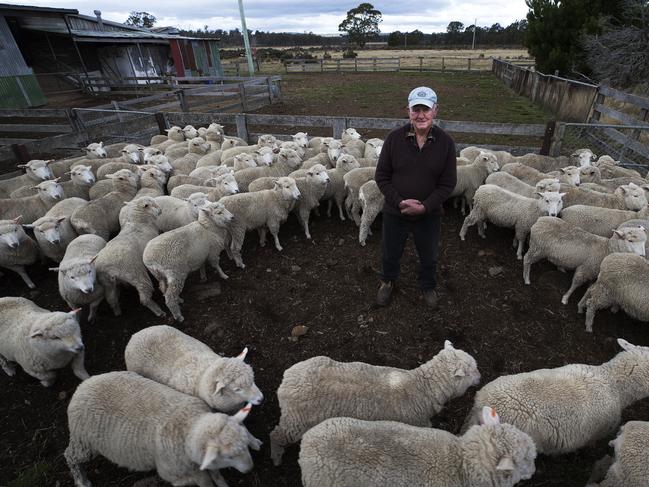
x=531, y=257
x=145, y=290
x=215, y=263
x=8, y=367
x=238, y=235
x=217, y=478
x=348, y=205
x=577, y=280
x=262, y=236
x=277, y=444
x=75, y=454
x=172, y=296
x=78, y=367
x=581, y=306
x=339, y=204
x=599, y=298
x=330, y=204
x=112, y=295
x=303, y=216
x=521, y=244
x=93, y=309
x=47, y=378
x=473, y=218
x=20, y=270
x=274, y=230
x=202, y=274
x=356, y=213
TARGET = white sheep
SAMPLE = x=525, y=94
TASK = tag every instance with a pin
x=346, y=452
x=353, y=180
x=139, y=424
x=630, y=468
x=206, y=173
x=570, y=247
x=336, y=191
x=312, y=188
x=260, y=210
x=507, y=209
x=568, y=175
x=566, y=408
x=609, y=168
x=331, y=151
x=77, y=275
x=177, y=212
x=32, y=207
x=600, y=221
x=17, y=249
x=638, y=222
x=161, y=162
x=214, y=158
x=36, y=171
x=320, y=388
x=626, y=197
x=172, y=256
x=242, y=161
x=371, y=200
x=174, y=135
x=472, y=176
x=38, y=340
x=286, y=161
x=168, y=356
x=621, y=283
x=215, y=188
x=121, y=260
x=101, y=216
x=152, y=182
x=373, y=148
x=265, y=140
x=515, y=185
x=287, y=144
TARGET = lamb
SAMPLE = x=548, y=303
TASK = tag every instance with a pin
x=568, y=175
x=177, y=212
x=223, y=185
x=349, y=134
x=627, y=197
x=320, y=388
x=265, y=140
x=354, y=147
x=571, y=247
x=565, y=408
x=331, y=151
x=630, y=468
x=353, y=180
x=196, y=146
x=96, y=150
x=17, y=249
x=214, y=158
x=610, y=168
x=38, y=340
x=242, y=161
x=268, y=208
x=638, y=222
x=121, y=260
x=139, y=424
x=471, y=177
x=36, y=171
x=373, y=148
x=170, y=357
x=77, y=274
x=161, y=162
x=336, y=191
x=32, y=207
x=311, y=187
x=174, y=135
x=172, y=256
x=472, y=152
x=371, y=200
x=344, y=452
x=515, y=185
x=103, y=187
x=78, y=186
x=621, y=283
x=101, y=216
x=287, y=161
x=152, y=182
x=507, y=209
x=287, y=144
x=600, y=221
x=208, y=172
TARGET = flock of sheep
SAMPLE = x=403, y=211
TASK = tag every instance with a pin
x=125, y=212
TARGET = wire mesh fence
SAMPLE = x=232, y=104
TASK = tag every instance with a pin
x=628, y=144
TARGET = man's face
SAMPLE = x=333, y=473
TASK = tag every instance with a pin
x=422, y=116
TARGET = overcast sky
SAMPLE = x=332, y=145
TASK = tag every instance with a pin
x=320, y=17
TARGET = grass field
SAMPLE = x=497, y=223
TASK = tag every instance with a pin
x=466, y=96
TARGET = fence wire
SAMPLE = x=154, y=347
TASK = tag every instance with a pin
x=628, y=144
x=111, y=126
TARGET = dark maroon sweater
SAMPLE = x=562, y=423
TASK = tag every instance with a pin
x=405, y=171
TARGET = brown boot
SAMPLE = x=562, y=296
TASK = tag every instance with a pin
x=431, y=298
x=385, y=293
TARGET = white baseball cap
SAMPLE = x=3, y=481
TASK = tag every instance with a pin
x=422, y=96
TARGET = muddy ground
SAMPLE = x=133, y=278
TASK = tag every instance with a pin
x=329, y=285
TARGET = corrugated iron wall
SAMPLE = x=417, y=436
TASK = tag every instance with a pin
x=20, y=92
x=11, y=60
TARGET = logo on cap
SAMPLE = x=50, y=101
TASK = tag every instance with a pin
x=422, y=94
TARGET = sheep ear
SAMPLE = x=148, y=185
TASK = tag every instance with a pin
x=253, y=442
x=243, y=354
x=489, y=416
x=75, y=312
x=219, y=385
x=48, y=162
x=61, y=218
x=93, y=258
x=28, y=225
x=101, y=144
x=211, y=454
x=618, y=233
x=242, y=413
x=505, y=463
x=17, y=219
x=460, y=372
x=21, y=165
x=625, y=345
x=37, y=333
x=53, y=269
x=448, y=345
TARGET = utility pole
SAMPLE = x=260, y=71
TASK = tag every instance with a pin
x=246, y=43
x=473, y=43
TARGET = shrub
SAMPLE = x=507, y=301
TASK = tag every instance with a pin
x=349, y=53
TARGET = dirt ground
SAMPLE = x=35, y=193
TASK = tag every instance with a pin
x=328, y=285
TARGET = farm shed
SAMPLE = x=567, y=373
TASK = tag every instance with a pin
x=55, y=47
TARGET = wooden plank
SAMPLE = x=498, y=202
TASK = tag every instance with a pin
x=29, y=128
x=624, y=140
x=624, y=97
x=7, y=141
x=143, y=99
x=622, y=117
x=49, y=113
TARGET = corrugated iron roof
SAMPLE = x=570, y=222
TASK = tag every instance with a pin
x=30, y=8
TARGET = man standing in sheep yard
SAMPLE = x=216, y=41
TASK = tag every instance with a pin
x=416, y=173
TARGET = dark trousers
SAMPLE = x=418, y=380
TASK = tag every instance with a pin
x=425, y=232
